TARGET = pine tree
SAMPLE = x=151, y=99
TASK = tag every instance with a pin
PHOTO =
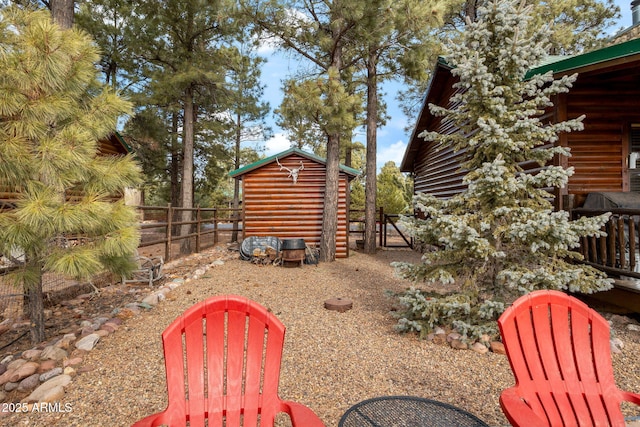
x=52, y=113
x=500, y=238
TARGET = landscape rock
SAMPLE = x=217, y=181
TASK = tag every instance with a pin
x=4, y=378
x=459, y=345
x=47, y=365
x=453, y=336
x=102, y=333
x=15, y=364
x=633, y=327
x=29, y=383
x=46, y=376
x=497, y=347
x=439, y=338
x=32, y=354
x=479, y=348
x=616, y=345
x=53, y=353
x=85, y=368
x=25, y=370
x=151, y=299
x=73, y=362
x=66, y=341
x=9, y=387
x=88, y=342
x=49, y=391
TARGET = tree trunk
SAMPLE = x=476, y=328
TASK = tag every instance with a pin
x=62, y=12
x=236, y=184
x=34, y=304
x=370, y=182
x=187, y=169
x=471, y=10
x=330, y=213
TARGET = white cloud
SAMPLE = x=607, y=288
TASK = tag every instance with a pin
x=393, y=152
x=277, y=144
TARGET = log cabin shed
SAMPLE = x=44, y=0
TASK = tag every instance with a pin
x=607, y=92
x=113, y=145
x=283, y=196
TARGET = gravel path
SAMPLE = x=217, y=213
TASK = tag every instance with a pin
x=331, y=360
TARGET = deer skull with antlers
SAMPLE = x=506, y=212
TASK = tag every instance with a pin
x=293, y=173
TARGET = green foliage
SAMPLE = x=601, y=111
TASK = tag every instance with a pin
x=499, y=238
x=393, y=189
x=312, y=109
x=53, y=110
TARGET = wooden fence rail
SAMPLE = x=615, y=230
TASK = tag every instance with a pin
x=618, y=252
x=162, y=225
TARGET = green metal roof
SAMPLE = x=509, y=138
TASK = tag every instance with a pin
x=568, y=63
x=292, y=150
x=123, y=142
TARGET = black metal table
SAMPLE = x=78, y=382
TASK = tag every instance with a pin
x=407, y=411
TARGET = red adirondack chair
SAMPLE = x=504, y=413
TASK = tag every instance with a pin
x=230, y=373
x=560, y=355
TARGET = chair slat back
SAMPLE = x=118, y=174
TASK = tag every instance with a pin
x=560, y=355
x=223, y=360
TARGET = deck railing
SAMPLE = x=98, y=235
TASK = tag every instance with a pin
x=617, y=253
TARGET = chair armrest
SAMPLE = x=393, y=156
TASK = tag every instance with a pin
x=300, y=415
x=150, y=421
x=631, y=397
x=517, y=411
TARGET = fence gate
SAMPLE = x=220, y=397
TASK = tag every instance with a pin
x=394, y=236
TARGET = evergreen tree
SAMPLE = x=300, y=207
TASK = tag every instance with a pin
x=183, y=46
x=500, y=238
x=576, y=25
x=394, y=36
x=392, y=190
x=52, y=113
x=320, y=32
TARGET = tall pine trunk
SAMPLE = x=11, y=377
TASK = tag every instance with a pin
x=62, y=12
x=330, y=213
x=236, y=183
x=187, y=170
x=372, y=131
x=34, y=305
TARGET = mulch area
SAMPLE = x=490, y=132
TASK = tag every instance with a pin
x=332, y=360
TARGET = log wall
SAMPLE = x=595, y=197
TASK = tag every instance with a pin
x=600, y=151
x=106, y=147
x=274, y=206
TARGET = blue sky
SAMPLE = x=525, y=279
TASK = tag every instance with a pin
x=392, y=138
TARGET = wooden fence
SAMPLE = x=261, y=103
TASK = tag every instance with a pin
x=161, y=228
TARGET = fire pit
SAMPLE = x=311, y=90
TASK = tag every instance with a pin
x=293, y=252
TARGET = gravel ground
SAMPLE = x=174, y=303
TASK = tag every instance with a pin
x=331, y=360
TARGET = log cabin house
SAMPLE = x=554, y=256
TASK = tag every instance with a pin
x=607, y=91
x=283, y=196
x=114, y=145
x=605, y=155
